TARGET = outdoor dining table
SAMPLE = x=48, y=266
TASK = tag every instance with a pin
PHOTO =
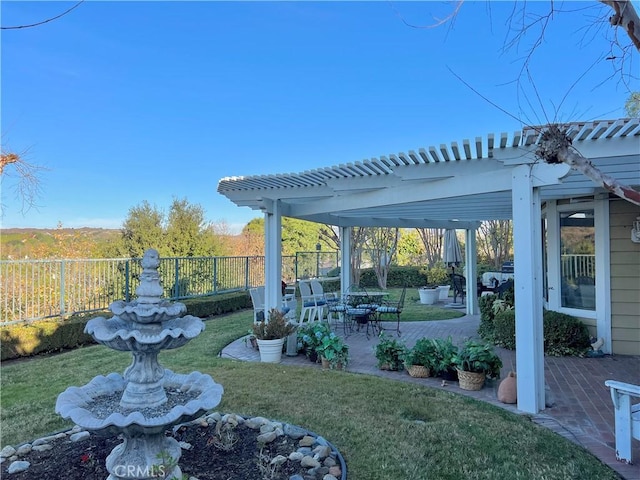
x=364, y=313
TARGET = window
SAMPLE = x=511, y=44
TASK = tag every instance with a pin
x=577, y=259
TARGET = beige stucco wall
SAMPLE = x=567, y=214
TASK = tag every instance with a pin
x=625, y=279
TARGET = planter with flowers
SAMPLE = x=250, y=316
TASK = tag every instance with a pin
x=333, y=352
x=271, y=335
x=310, y=338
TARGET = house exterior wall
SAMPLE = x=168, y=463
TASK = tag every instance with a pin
x=625, y=279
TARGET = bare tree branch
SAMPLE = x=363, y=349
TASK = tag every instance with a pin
x=27, y=186
x=625, y=16
x=555, y=147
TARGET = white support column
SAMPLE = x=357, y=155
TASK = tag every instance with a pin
x=470, y=259
x=272, y=258
x=345, y=258
x=603, y=271
x=527, y=243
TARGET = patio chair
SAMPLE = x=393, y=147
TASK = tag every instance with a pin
x=321, y=301
x=392, y=308
x=257, y=298
x=289, y=300
x=459, y=286
x=309, y=304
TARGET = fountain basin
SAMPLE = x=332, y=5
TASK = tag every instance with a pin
x=140, y=312
x=83, y=405
x=129, y=336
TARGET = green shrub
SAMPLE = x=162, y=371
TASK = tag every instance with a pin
x=504, y=329
x=485, y=330
x=565, y=335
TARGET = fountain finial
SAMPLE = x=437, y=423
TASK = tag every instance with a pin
x=150, y=291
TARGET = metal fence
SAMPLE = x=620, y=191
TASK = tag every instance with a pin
x=37, y=289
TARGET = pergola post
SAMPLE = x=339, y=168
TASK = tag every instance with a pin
x=527, y=245
x=272, y=257
x=345, y=259
x=471, y=261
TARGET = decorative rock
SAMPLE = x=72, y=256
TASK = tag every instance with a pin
x=185, y=445
x=305, y=451
x=278, y=460
x=329, y=462
x=328, y=476
x=296, y=477
x=42, y=448
x=267, y=427
x=61, y=435
x=294, y=431
x=321, y=441
x=309, y=462
x=76, y=437
x=307, y=441
x=75, y=429
x=214, y=417
x=23, y=450
x=296, y=456
x=267, y=437
x=256, y=422
x=18, y=466
x=7, y=451
x=322, y=451
x=336, y=471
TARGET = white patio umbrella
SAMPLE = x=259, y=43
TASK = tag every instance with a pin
x=452, y=254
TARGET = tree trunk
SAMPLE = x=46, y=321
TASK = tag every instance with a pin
x=626, y=17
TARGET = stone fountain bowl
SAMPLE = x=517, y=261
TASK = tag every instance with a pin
x=129, y=336
x=136, y=311
x=95, y=406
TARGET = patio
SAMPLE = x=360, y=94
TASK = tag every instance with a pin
x=582, y=410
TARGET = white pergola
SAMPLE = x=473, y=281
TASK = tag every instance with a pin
x=450, y=186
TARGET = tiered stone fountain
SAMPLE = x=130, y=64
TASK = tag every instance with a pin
x=147, y=399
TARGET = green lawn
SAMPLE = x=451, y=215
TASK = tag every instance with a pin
x=385, y=429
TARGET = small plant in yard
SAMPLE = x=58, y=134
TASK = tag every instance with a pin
x=225, y=437
x=334, y=350
x=277, y=326
x=390, y=353
x=422, y=353
x=310, y=336
x=444, y=354
x=479, y=357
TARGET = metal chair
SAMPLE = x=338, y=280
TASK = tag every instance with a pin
x=459, y=285
x=391, y=308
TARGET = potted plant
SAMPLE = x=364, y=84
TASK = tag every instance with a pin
x=476, y=361
x=271, y=335
x=419, y=360
x=444, y=355
x=390, y=353
x=428, y=294
x=310, y=337
x=333, y=352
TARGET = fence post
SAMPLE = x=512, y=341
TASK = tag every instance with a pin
x=176, y=284
x=62, y=309
x=126, y=281
x=215, y=274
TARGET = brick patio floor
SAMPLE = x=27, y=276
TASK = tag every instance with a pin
x=582, y=410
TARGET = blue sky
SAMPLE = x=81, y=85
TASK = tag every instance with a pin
x=123, y=102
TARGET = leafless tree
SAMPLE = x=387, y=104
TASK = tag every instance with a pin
x=382, y=244
x=432, y=241
x=495, y=241
x=24, y=176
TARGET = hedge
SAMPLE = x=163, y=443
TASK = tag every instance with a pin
x=54, y=335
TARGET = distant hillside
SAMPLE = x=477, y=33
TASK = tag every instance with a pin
x=19, y=243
